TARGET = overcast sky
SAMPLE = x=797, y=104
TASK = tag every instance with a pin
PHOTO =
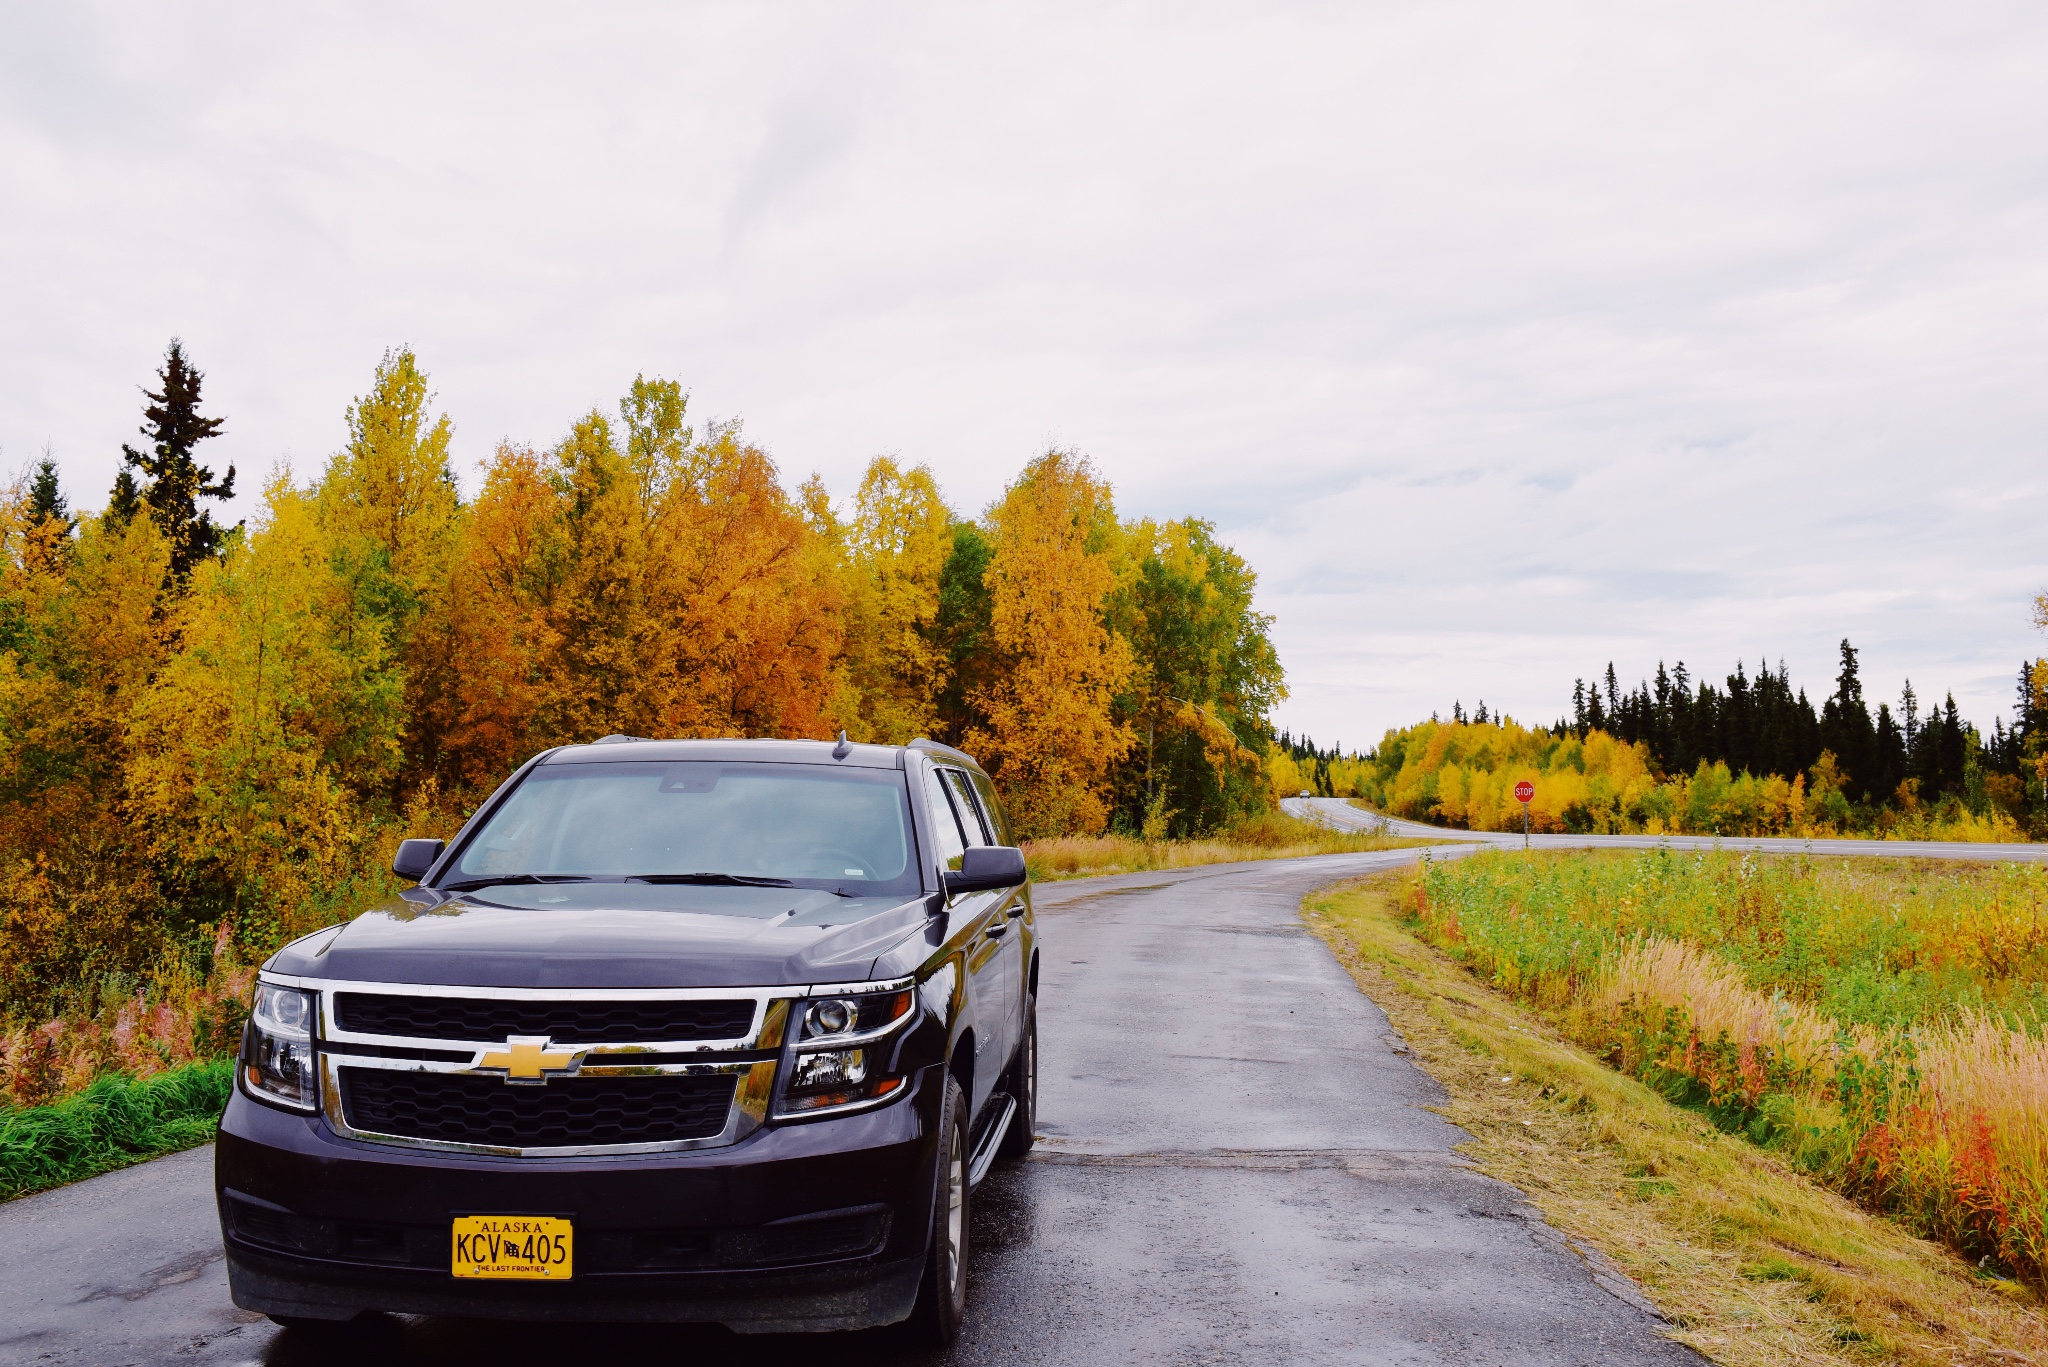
x=1504, y=340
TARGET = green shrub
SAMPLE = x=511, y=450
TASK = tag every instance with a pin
x=114, y=1122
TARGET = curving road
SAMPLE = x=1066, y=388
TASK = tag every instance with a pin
x=1338, y=812
x=1237, y=1167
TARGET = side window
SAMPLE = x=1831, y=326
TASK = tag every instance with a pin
x=972, y=819
x=945, y=824
x=992, y=810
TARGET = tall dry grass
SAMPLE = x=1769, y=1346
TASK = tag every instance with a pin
x=184, y=1016
x=1671, y=973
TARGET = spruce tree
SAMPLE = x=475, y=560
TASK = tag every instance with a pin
x=176, y=482
x=1661, y=737
x=123, y=502
x=1846, y=728
x=1888, y=757
x=1683, y=741
x=46, y=498
x=1952, y=748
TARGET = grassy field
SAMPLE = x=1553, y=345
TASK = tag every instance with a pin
x=1274, y=835
x=1752, y=1261
x=1879, y=1023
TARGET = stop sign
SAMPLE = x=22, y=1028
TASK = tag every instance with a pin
x=1524, y=790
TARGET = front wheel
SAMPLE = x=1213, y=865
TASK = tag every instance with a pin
x=1023, y=1131
x=942, y=1293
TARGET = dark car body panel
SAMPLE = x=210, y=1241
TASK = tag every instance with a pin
x=760, y=937
x=302, y=1201
x=781, y=1175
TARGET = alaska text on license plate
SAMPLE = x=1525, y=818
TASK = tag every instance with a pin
x=537, y=1246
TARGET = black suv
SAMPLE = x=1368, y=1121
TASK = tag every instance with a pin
x=672, y=1030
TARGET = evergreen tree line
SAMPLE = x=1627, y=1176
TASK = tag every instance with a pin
x=211, y=736
x=1763, y=726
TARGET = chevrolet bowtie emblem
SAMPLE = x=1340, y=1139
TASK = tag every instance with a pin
x=527, y=1058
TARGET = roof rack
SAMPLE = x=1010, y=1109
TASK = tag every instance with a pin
x=930, y=746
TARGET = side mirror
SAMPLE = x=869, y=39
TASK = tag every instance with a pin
x=985, y=867
x=415, y=857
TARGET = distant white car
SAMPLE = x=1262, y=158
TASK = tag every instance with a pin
x=1304, y=792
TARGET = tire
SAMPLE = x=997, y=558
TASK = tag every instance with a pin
x=942, y=1292
x=1023, y=1131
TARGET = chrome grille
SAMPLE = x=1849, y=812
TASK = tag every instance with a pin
x=565, y=1021
x=503, y=1069
x=457, y=1108
x=549, y=1072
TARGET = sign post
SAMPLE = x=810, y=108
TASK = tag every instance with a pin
x=1524, y=791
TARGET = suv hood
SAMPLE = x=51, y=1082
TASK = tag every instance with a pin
x=674, y=937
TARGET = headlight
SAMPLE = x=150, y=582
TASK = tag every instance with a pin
x=841, y=1050
x=277, y=1048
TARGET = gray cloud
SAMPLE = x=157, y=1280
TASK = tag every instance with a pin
x=1505, y=341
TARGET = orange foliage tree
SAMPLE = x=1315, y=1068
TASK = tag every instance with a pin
x=1048, y=732
x=194, y=766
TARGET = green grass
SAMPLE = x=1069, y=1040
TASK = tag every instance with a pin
x=112, y=1123
x=1886, y=944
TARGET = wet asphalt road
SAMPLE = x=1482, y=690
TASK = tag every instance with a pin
x=1237, y=1167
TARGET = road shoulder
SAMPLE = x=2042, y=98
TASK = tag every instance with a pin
x=123, y=1267
x=1749, y=1262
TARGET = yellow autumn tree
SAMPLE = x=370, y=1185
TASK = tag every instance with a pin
x=599, y=677
x=1206, y=680
x=389, y=512
x=658, y=442
x=388, y=500
x=893, y=549
x=1048, y=733
x=278, y=709
x=78, y=898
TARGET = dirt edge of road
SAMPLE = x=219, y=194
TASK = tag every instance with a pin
x=1749, y=1262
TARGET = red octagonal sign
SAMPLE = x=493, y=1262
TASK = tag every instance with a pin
x=1524, y=790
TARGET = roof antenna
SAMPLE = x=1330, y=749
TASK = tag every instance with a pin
x=844, y=748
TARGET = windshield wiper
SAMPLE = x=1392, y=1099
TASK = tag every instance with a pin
x=736, y=880
x=471, y=884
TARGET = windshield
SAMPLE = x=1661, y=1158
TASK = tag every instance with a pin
x=804, y=825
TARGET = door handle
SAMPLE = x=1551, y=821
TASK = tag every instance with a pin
x=996, y=930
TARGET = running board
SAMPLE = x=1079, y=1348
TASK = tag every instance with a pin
x=991, y=1140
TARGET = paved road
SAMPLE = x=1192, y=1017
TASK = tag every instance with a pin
x=1237, y=1168
x=1338, y=812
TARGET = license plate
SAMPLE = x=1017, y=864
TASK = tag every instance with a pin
x=533, y=1246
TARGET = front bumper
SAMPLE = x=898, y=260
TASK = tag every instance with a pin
x=820, y=1225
